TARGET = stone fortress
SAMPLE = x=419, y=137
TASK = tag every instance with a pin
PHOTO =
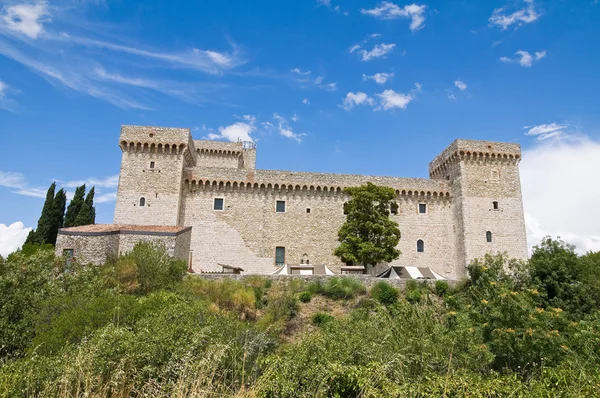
x=211, y=206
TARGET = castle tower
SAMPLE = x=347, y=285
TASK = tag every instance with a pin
x=487, y=200
x=150, y=180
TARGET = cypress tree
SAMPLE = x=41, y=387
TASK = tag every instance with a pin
x=44, y=226
x=58, y=215
x=75, y=206
x=87, y=214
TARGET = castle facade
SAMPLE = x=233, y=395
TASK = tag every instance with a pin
x=218, y=209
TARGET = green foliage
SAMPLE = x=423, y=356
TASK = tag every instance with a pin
x=75, y=206
x=305, y=297
x=368, y=236
x=337, y=288
x=87, y=213
x=385, y=293
x=145, y=269
x=321, y=318
x=441, y=288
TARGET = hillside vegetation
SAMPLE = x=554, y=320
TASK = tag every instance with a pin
x=139, y=327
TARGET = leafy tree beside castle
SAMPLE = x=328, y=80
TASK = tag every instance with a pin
x=368, y=236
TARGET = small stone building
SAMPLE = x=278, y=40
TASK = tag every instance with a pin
x=97, y=243
x=211, y=205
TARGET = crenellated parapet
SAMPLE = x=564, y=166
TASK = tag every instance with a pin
x=158, y=140
x=473, y=151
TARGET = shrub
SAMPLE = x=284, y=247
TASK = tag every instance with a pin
x=384, y=293
x=321, y=318
x=337, y=288
x=305, y=297
x=441, y=288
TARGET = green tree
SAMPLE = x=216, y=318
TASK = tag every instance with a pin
x=41, y=234
x=87, y=214
x=75, y=206
x=368, y=236
x=57, y=216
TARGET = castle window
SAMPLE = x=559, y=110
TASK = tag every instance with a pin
x=495, y=205
x=420, y=246
x=308, y=210
x=68, y=255
x=142, y=202
x=151, y=165
x=279, y=255
x=394, y=208
x=488, y=237
x=422, y=208
x=280, y=206
x=218, y=204
x=346, y=210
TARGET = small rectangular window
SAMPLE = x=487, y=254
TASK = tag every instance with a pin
x=218, y=204
x=422, y=208
x=307, y=210
x=151, y=165
x=495, y=205
x=280, y=208
x=279, y=255
x=394, y=208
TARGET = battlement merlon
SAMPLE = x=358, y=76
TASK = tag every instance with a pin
x=462, y=149
x=153, y=139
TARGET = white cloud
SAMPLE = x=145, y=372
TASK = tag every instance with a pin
x=545, y=131
x=524, y=58
x=390, y=99
x=354, y=48
x=330, y=86
x=358, y=98
x=379, y=78
x=108, y=182
x=105, y=197
x=12, y=237
x=300, y=71
x=295, y=118
x=238, y=131
x=27, y=19
x=305, y=101
x=20, y=185
x=378, y=51
x=460, y=85
x=285, y=129
x=387, y=10
x=319, y=79
x=3, y=88
x=559, y=193
x=519, y=17
x=327, y=4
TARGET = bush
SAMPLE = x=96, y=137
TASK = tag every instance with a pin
x=320, y=318
x=384, y=293
x=441, y=288
x=337, y=288
x=305, y=297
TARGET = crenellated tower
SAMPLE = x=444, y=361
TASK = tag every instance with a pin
x=487, y=201
x=150, y=181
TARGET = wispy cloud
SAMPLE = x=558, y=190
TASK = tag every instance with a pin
x=300, y=72
x=283, y=127
x=5, y=102
x=545, y=131
x=306, y=101
x=328, y=4
x=379, y=78
x=378, y=51
x=524, y=58
x=388, y=10
x=358, y=98
x=460, y=85
x=108, y=182
x=504, y=19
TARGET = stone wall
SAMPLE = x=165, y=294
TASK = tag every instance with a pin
x=93, y=248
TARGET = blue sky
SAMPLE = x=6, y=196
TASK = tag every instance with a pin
x=339, y=86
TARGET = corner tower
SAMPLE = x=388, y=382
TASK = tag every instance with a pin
x=487, y=201
x=150, y=180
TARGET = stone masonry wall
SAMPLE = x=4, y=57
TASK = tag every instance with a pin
x=246, y=233
x=93, y=249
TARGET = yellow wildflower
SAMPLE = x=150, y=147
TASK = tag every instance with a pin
x=564, y=347
x=531, y=317
x=557, y=310
x=502, y=294
x=513, y=293
x=493, y=283
x=452, y=313
x=510, y=330
x=534, y=291
x=484, y=268
x=471, y=330
x=529, y=331
x=539, y=310
x=484, y=301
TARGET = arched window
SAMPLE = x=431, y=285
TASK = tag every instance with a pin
x=488, y=237
x=495, y=205
x=420, y=246
x=142, y=202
